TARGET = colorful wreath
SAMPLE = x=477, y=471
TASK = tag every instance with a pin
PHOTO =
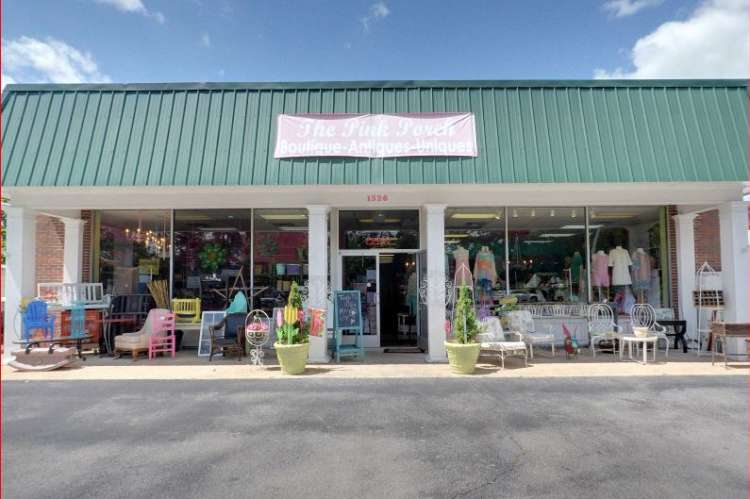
x=212, y=256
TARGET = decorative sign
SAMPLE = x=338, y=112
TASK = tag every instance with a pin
x=347, y=306
x=375, y=135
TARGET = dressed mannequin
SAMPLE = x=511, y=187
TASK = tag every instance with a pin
x=462, y=277
x=600, y=273
x=484, y=266
x=576, y=265
x=619, y=260
x=641, y=273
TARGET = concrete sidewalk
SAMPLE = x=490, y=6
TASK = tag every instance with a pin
x=388, y=366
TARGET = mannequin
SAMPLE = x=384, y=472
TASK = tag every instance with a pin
x=462, y=277
x=619, y=260
x=641, y=273
x=600, y=274
x=485, y=273
x=576, y=265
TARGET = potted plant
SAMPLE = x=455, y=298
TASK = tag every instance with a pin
x=463, y=350
x=292, y=345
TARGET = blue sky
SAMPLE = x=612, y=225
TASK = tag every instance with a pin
x=284, y=40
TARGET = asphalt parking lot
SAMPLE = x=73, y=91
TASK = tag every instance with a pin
x=470, y=437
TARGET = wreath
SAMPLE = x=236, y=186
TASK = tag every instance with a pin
x=212, y=256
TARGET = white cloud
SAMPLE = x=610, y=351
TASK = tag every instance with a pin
x=205, y=40
x=30, y=60
x=377, y=11
x=134, y=7
x=711, y=43
x=624, y=8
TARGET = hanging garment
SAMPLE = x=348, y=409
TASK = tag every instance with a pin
x=462, y=277
x=619, y=260
x=575, y=267
x=641, y=271
x=600, y=270
x=484, y=266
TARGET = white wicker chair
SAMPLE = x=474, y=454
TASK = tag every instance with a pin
x=644, y=315
x=493, y=342
x=602, y=328
x=522, y=322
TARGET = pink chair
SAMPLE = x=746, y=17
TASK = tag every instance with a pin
x=162, y=338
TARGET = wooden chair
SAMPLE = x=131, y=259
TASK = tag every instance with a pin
x=226, y=336
x=36, y=317
x=162, y=339
x=187, y=309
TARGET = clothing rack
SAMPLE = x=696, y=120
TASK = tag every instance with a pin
x=706, y=299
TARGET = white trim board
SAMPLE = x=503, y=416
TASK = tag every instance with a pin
x=356, y=196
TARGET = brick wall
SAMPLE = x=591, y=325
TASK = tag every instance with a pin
x=672, y=252
x=707, y=242
x=50, y=240
x=50, y=244
x=87, y=256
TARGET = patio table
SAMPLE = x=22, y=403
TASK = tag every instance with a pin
x=645, y=340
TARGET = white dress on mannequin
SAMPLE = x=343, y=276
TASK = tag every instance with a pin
x=619, y=260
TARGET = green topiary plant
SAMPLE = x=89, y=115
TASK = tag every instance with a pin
x=465, y=325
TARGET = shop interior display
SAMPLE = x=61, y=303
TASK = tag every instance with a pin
x=547, y=255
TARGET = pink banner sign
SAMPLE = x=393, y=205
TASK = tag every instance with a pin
x=375, y=135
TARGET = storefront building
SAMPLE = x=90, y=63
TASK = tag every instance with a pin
x=577, y=192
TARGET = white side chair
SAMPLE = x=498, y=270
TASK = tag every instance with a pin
x=644, y=315
x=522, y=322
x=493, y=342
x=602, y=328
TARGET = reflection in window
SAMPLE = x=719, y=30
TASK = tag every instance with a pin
x=280, y=255
x=211, y=255
x=547, y=254
x=627, y=256
x=133, y=249
x=372, y=229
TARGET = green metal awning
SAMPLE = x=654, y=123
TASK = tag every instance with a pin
x=223, y=134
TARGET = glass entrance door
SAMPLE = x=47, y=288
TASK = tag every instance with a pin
x=359, y=272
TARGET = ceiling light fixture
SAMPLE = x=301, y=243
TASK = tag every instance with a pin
x=552, y=212
x=515, y=213
x=533, y=212
x=474, y=216
x=283, y=216
x=573, y=214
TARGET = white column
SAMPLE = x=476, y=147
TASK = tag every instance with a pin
x=317, y=258
x=434, y=222
x=734, y=263
x=73, y=249
x=20, y=270
x=686, y=270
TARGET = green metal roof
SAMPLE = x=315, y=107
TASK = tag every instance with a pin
x=224, y=133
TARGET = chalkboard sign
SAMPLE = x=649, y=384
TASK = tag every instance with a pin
x=347, y=307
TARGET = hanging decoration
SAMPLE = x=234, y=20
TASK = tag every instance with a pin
x=212, y=256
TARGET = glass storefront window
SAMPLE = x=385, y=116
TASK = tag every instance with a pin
x=133, y=249
x=628, y=255
x=280, y=255
x=373, y=229
x=475, y=249
x=211, y=255
x=547, y=250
